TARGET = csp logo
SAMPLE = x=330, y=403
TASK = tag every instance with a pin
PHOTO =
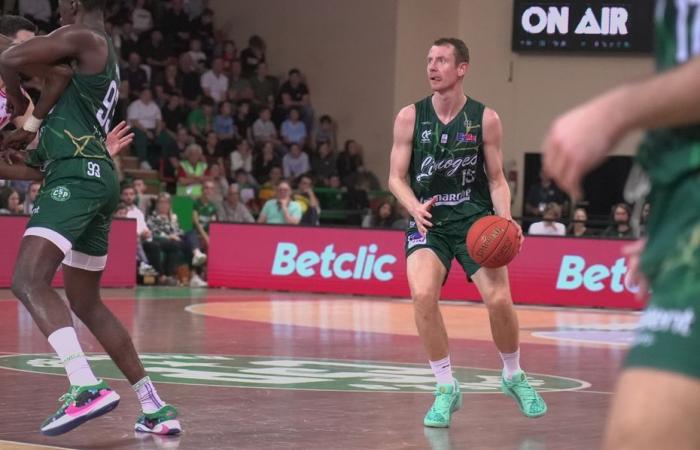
x=270, y=372
x=60, y=193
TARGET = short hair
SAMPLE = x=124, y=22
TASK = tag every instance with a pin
x=11, y=25
x=294, y=72
x=94, y=5
x=326, y=118
x=127, y=185
x=461, y=50
x=553, y=208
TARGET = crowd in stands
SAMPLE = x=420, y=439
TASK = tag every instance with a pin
x=213, y=126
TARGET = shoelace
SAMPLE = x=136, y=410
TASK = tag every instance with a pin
x=525, y=392
x=443, y=398
x=68, y=397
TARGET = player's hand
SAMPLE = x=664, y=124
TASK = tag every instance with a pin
x=633, y=252
x=18, y=139
x=577, y=142
x=12, y=156
x=421, y=215
x=119, y=138
x=521, y=236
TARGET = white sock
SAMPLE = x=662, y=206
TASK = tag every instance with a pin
x=65, y=343
x=146, y=392
x=511, y=364
x=442, y=370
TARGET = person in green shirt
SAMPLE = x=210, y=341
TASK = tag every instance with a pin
x=200, y=120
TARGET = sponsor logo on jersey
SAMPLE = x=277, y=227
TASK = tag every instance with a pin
x=60, y=193
x=443, y=138
x=467, y=138
x=448, y=166
x=416, y=238
x=426, y=136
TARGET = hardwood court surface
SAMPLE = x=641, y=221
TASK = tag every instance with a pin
x=261, y=370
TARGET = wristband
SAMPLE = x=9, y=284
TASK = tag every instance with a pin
x=32, y=124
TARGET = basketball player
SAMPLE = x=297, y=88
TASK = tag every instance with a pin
x=446, y=170
x=72, y=218
x=14, y=30
x=657, y=401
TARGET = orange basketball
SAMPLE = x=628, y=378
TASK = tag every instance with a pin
x=492, y=241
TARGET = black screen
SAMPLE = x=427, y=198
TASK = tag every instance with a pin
x=593, y=26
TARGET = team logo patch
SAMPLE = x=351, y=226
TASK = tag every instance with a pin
x=466, y=138
x=284, y=372
x=60, y=193
x=416, y=238
x=426, y=136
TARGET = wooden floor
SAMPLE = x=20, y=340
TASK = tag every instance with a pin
x=257, y=370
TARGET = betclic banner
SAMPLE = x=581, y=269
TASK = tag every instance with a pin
x=549, y=271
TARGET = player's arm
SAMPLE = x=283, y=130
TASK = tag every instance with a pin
x=399, y=163
x=493, y=154
x=18, y=122
x=666, y=100
x=18, y=170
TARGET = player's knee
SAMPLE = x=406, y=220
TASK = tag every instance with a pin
x=83, y=310
x=498, y=302
x=22, y=284
x=424, y=298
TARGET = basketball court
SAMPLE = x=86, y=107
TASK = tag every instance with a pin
x=266, y=370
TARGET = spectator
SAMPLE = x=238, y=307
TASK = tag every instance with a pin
x=621, y=228
x=157, y=53
x=281, y=210
x=233, y=209
x=204, y=213
x=265, y=161
x=143, y=200
x=141, y=17
x=168, y=238
x=170, y=81
x=135, y=75
x=549, y=225
x=323, y=163
x=145, y=118
x=191, y=80
x=293, y=130
x=199, y=58
x=381, y=217
x=192, y=172
x=244, y=121
x=269, y=188
x=214, y=83
x=200, y=120
x=129, y=41
x=247, y=189
x=577, y=227
x=264, y=87
x=30, y=196
x=239, y=88
x=216, y=172
x=403, y=220
x=264, y=130
x=295, y=94
x=212, y=150
x=145, y=248
x=643, y=219
x=296, y=162
x=229, y=54
x=242, y=158
x=223, y=123
x=539, y=195
x=10, y=202
x=310, y=206
x=253, y=56
x=174, y=114
x=325, y=133
x=204, y=27
x=176, y=22
x=349, y=162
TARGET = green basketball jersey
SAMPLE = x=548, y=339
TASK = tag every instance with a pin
x=77, y=126
x=448, y=162
x=668, y=154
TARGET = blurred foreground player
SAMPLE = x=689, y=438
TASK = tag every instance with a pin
x=657, y=400
x=72, y=217
x=446, y=170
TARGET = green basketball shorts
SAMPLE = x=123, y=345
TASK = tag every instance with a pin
x=668, y=336
x=447, y=242
x=74, y=210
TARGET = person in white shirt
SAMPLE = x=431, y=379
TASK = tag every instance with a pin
x=141, y=18
x=242, y=158
x=214, y=83
x=146, y=121
x=549, y=225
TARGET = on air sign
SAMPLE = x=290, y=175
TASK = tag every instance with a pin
x=590, y=26
x=551, y=271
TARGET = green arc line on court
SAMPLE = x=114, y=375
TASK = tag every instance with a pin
x=291, y=373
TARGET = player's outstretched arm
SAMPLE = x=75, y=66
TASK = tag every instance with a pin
x=18, y=170
x=119, y=138
x=400, y=161
x=580, y=139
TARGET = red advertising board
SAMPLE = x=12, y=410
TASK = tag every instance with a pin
x=548, y=271
x=121, y=260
